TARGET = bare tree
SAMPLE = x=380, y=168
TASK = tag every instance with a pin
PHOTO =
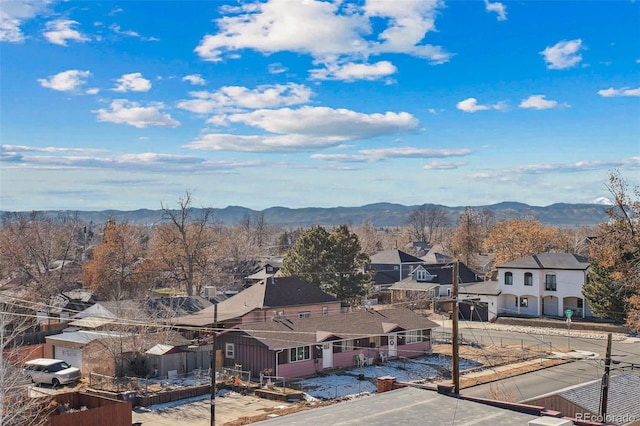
x=182, y=245
x=17, y=407
x=427, y=223
x=37, y=250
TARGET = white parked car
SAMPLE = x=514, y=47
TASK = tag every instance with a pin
x=51, y=371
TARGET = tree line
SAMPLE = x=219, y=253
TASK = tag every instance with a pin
x=189, y=249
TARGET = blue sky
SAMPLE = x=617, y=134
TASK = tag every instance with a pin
x=129, y=104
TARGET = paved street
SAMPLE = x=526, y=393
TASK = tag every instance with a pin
x=529, y=385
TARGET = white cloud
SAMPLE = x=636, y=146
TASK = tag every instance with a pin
x=328, y=31
x=86, y=158
x=60, y=30
x=381, y=154
x=14, y=13
x=611, y=92
x=195, y=79
x=65, y=81
x=234, y=97
x=277, y=68
x=354, y=71
x=131, y=113
x=341, y=124
x=562, y=55
x=472, y=105
x=538, y=102
x=133, y=82
x=118, y=30
x=497, y=7
x=411, y=152
x=444, y=165
x=260, y=143
x=92, y=91
x=304, y=129
x=129, y=33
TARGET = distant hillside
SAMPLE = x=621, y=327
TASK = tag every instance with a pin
x=379, y=214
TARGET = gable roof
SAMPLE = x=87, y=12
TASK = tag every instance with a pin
x=294, y=332
x=277, y=292
x=393, y=257
x=153, y=308
x=567, y=261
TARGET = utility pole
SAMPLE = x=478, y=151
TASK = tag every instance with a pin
x=604, y=395
x=455, y=361
x=213, y=366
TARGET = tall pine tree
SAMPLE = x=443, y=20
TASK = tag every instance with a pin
x=332, y=261
x=607, y=297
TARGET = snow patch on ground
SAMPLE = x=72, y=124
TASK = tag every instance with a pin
x=361, y=380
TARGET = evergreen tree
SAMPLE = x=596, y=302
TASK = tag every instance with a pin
x=332, y=261
x=607, y=297
x=309, y=258
x=349, y=281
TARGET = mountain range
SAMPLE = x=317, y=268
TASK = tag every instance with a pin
x=378, y=214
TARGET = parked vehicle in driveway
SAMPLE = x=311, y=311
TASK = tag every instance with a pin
x=51, y=371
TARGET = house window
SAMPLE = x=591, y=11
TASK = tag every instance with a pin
x=414, y=336
x=524, y=302
x=304, y=314
x=580, y=304
x=325, y=311
x=421, y=275
x=508, y=278
x=347, y=345
x=528, y=278
x=229, y=350
x=550, y=282
x=299, y=354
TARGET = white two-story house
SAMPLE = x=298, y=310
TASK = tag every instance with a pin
x=544, y=284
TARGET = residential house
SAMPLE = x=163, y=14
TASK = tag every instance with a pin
x=302, y=346
x=546, y=284
x=391, y=266
x=431, y=282
x=115, y=353
x=276, y=296
x=143, y=311
x=267, y=270
x=583, y=401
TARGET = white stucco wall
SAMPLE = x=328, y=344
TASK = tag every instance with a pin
x=568, y=289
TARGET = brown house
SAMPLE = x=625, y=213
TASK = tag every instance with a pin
x=275, y=296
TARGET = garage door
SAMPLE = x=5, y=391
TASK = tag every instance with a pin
x=71, y=355
x=480, y=311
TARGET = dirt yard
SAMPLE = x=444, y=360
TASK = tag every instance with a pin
x=498, y=362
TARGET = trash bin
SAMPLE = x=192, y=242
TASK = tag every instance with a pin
x=129, y=396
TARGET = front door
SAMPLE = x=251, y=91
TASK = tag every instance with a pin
x=393, y=345
x=327, y=355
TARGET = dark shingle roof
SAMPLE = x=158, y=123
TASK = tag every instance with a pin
x=292, y=332
x=623, y=400
x=549, y=261
x=393, y=257
x=277, y=292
